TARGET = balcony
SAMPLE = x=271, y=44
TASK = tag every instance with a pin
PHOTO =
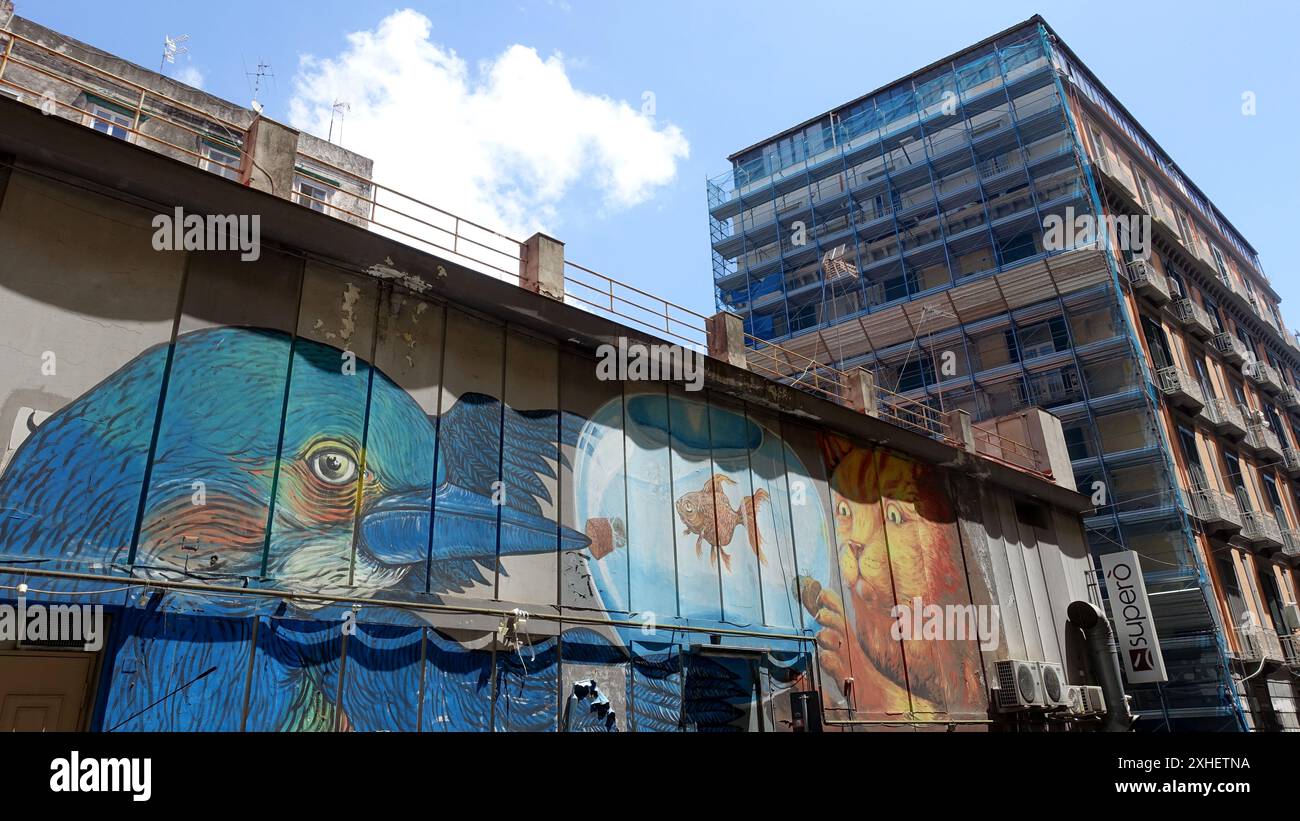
x=1291, y=544
x=1226, y=417
x=1260, y=529
x=1256, y=644
x=1291, y=650
x=1216, y=510
x=1264, y=441
x=1179, y=387
x=1265, y=376
x=1290, y=398
x=1148, y=282
x=1231, y=348
x=1291, y=461
x=1195, y=319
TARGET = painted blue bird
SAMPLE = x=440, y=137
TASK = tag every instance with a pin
x=275, y=460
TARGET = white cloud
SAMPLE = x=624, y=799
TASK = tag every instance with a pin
x=504, y=143
x=190, y=76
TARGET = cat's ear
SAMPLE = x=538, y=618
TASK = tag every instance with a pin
x=834, y=449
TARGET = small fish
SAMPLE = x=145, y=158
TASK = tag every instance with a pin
x=708, y=514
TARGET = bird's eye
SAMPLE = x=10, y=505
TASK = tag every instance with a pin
x=334, y=466
x=690, y=507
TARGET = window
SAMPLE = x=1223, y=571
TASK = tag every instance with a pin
x=223, y=161
x=916, y=374
x=1207, y=387
x=1044, y=338
x=1274, y=499
x=110, y=122
x=1212, y=308
x=1272, y=596
x=1183, y=228
x=311, y=194
x=1219, y=263
x=1157, y=342
x=1076, y=443
x=1231, y=587
x=1192, y=454
x=1235, y=480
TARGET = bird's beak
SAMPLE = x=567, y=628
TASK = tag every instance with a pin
x=464, y=525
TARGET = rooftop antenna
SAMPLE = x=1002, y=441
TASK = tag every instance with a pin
x=263, y=71
x=341, y=108
x=172, y=48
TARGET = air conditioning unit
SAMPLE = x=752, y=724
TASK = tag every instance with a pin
x=1052, y=676
x=1093, y=700
x=1074, y=699
x=1019, y=685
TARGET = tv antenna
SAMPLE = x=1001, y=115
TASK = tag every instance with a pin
x=172, y=48
x=340, y=109
x=262, y=72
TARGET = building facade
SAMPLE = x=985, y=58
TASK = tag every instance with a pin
x=313, y=492
x=963, y=234
x=76, y=81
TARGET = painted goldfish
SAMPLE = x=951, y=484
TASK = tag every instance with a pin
x=708, y=515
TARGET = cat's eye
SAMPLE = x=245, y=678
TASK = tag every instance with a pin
x=842, y=510
x=894, y=515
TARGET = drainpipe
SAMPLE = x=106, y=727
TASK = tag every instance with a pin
x=1103, y=655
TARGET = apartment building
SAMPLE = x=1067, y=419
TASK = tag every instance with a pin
x=76, y=81
x=937, y=233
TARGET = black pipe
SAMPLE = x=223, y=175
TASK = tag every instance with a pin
x=1103, y=653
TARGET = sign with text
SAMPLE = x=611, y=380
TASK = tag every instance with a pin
x=1130, y=612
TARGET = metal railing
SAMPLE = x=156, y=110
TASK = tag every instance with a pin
x=1214, y=507
x=1226, y=416
x=1255, y=643
x=1231, y=347
x=791, y=368
x=1266, y=376
x=912, y=414
x=595, y=291
x=416, y=222
x=114, y=89
x=1145, y=278
x=1196, y=318
x=1260, y=527
x=1180, y=387
x=1262, y=438
x=989, y=442
x=1291, y=543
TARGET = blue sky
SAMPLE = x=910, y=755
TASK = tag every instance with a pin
x=624, y=195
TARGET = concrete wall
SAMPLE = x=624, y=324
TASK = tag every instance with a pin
x=291, y=427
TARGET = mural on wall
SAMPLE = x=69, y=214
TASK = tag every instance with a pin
x=898, y=543
x=260, y=458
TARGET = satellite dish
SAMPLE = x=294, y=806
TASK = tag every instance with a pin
x=257, y=106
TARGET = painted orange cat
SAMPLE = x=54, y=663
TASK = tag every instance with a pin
x=897, y=539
